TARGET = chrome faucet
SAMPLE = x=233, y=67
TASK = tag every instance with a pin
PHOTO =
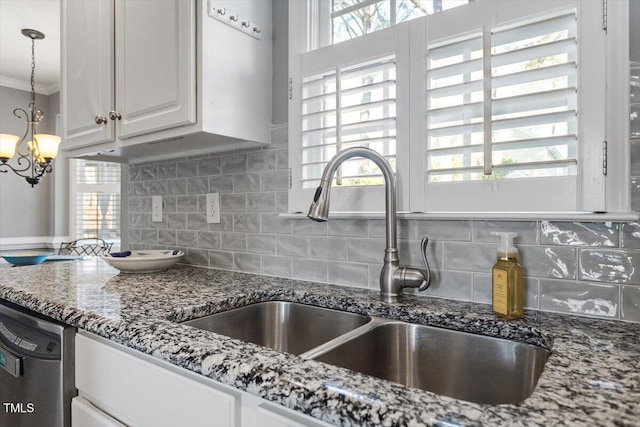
x=393, y=278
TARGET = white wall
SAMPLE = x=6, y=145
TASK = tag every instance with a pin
x=25, y=211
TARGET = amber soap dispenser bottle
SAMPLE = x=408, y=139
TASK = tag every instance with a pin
x=508, y=287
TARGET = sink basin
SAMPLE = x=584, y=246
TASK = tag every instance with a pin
x=285, y=326
x=461, y=365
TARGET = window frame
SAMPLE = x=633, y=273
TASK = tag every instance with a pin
x=594, y=191
x=75, y=188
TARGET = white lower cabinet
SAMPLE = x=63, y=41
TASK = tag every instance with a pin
x=119, y=386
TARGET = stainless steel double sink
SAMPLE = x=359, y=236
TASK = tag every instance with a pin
x=465, y=366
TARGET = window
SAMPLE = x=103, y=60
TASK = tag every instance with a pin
x=354, y=18
x=96, y=200
x=485, y=106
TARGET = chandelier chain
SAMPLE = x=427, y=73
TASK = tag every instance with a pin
x=32, y=104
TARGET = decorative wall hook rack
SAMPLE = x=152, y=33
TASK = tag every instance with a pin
x=234, y=20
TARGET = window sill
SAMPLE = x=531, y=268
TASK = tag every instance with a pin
x=504, y=216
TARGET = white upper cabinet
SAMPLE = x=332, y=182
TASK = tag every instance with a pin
x=87, y=72
x=145, y=80
x=155, y=65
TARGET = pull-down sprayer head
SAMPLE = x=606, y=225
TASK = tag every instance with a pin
x=319, y=209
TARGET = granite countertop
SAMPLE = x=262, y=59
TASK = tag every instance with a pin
x=591, y=378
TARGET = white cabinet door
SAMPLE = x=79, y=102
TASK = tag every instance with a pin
x=140, y=392
x=155, y=65
x=87, y=77
x=84, y=414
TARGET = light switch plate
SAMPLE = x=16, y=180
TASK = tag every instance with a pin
x=213, y=208
x=156, y=209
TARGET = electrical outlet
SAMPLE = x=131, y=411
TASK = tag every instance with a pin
x=156, y=209
x=213, y=208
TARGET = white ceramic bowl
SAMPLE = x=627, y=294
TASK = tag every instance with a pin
x=144, y=261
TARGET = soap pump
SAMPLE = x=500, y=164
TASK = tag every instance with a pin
x=507, y=288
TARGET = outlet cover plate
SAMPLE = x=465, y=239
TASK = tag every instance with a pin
x=156, y=209
x=213, y=208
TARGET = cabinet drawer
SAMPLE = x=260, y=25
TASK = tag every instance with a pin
x=269, y=415
x=139, y=391
x=84, y=414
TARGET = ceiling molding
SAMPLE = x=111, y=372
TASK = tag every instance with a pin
x=26, y=86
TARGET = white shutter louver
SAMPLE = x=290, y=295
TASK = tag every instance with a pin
x=533, y=103
x=97, y=200
x=346, y=107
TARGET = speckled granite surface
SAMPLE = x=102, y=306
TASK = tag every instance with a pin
x=591, y=378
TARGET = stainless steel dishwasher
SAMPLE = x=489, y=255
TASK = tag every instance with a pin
x=36, y=369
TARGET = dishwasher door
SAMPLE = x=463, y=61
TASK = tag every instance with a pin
x=36, y=370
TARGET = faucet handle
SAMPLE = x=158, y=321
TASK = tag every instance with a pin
x=427, y=273
x=409, y=277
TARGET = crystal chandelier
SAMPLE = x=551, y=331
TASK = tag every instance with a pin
x=34, y=151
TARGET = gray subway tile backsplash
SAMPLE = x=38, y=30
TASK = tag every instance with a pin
x=187, y=204
x=450, y=284
x=263, y=160
x=348, y=227
x=468, y=256
x=209, y=239
x=630, y=235
x=221, y=259
x=630, y=304
x=309, y=227
x=261, y=243
x=273, y=223
x=610, y=265
x=186, y=168
x=246, y=222
x=309, y=269
x=570, y=267
x=246, y=182
x=198, y=185
x=175, y=187
x=261, y=202
x=276, y=265
x=167, y=170
x=197, y=257
x=579, y=298
x=233, y=202
x=233, y=163
x=209, y=166
x=579, y=233
x=249, y=263
x=221, y=184
x=348, y=273
x=236, y=242
x=197, y=221
x=445, y=230
x=175, y=221
x=332, y=248
x=187, y=238
x=167, y=237
x=289, y=245
x=548, y=261
x=275, y=180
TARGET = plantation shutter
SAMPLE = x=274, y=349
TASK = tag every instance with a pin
x=502, y=115
x=97, y=200
x=349, y=97
x=348, y=107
